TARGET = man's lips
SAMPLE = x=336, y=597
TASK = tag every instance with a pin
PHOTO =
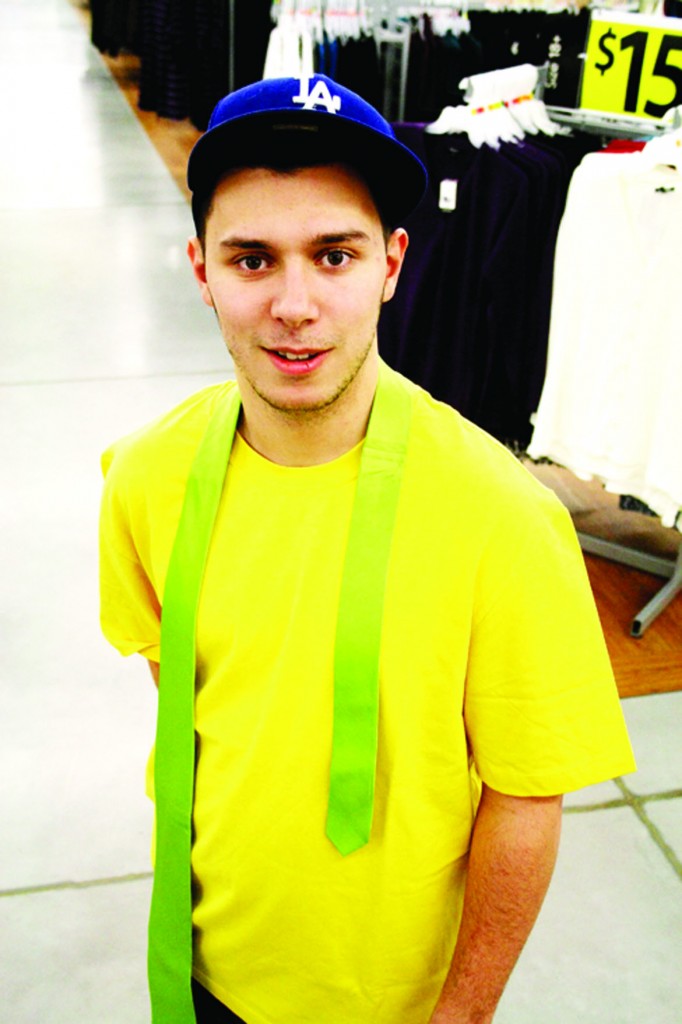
x=296, y=362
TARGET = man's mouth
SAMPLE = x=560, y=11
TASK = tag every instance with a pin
x=296, y=363
x=295, y=357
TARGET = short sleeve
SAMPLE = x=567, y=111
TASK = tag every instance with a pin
x=541, y=707
x=130, y=610
x=145, y=477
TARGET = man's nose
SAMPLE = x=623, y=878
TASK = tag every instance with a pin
x=294, y=303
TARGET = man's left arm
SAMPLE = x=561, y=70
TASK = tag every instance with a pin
x=512, y=857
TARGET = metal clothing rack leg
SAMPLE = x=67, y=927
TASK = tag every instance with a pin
x=394, y=47
x=647, y=563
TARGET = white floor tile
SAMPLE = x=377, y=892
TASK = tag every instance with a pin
x=608, y=944
x=102, y=293
x=53, y=18
x=44, y=31
x=76, y=720
x=75, y=956
x=655, y=726
x=601, y=793
x=89, y=152
x=667, y=817
x=76, y=142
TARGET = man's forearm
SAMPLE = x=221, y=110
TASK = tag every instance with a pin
x=513, y=852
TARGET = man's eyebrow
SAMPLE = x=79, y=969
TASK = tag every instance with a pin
x=337, y=238
x=243, y=243
x=331, y=238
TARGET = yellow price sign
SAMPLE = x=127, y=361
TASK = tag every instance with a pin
x=633, y=65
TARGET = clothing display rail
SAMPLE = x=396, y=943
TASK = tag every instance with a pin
x=502, y=85
x=663, y=150
x=505, y=104
x=614, y=124
x=405, y=59
x=646, y=563
x=395, y=43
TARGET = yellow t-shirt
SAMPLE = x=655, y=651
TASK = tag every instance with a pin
x=492, y=665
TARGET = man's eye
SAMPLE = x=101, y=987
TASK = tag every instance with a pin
x=251, y=262
x=337, y=258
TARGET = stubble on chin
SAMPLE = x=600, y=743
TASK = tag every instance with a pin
x=299, y=410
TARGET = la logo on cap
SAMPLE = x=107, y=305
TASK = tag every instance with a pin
x=319, y=97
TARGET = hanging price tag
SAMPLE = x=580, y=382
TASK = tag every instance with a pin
x=447, y=197
x=633, y=65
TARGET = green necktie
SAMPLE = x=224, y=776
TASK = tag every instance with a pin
x=356, y=674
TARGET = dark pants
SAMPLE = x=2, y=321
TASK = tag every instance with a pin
x=209, y=1010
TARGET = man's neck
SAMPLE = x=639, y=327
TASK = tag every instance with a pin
x=308, y=438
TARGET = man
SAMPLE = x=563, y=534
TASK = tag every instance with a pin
x=381, y=665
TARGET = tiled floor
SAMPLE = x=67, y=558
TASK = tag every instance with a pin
x=100, y=328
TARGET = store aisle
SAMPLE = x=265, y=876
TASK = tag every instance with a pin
x=100, y=329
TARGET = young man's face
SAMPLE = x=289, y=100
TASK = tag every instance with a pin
x=296, y=267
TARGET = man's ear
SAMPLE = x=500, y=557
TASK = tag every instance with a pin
x=395, y=254
x=195, y=251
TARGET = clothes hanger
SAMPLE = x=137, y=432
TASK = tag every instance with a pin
x=525, y=106
x=501, y=106
x=486, y=94
x=450, y=121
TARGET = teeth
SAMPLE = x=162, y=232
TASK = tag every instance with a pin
x=292, y=357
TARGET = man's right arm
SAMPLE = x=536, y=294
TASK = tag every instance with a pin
x=513, y=851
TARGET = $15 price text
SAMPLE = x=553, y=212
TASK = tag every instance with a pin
x=633, y=65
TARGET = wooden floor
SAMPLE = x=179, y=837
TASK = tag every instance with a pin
x=650, y=664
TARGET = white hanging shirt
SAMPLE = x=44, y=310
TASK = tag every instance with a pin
x=611, y=407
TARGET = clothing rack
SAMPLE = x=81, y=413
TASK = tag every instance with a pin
x=616, y=124
x=633, y=128
x=503, y=77
x=394, y=42
x=646, y=563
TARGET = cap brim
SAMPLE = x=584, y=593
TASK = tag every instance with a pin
x=395, y=176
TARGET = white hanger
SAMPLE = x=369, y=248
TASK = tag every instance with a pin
x=501, y=107
x=522, y=103
x=491, y=121
x=450, y=121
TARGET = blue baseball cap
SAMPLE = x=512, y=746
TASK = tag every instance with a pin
x=304, y=121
